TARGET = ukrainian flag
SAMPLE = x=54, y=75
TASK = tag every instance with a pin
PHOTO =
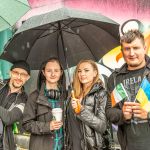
x=143, y=95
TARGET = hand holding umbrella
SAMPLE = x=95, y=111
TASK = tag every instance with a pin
x=67, y=34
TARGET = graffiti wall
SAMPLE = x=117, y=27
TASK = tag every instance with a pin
x=119, y=11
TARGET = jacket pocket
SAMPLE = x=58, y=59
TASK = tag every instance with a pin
x=43, y=113
x=42, y=110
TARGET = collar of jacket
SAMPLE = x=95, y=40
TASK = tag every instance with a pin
x=42, y=99
x=97, y=86
x=2, y=84
x=123, y=69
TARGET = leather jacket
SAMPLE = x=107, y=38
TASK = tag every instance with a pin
x=93, y=122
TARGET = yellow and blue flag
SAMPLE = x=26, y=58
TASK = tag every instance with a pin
x=143, y=94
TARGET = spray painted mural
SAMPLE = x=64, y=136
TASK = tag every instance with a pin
x=113, y=59
x=120, y=11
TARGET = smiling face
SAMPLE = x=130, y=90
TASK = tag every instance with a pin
x=86, y=73
x=52, y=73
x=134, y=54
x=18, y=78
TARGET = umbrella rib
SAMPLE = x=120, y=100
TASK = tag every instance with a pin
x=88, y=24
x=65, y=25
x=70, y=32
x=46, y=35
x=104, y=29
x=5, y=20
x=84, y=42
x=52, y=25
x=33, y=45
x=61, y=28
x=64, y=52
x=54, y=32
x=85, y=25
x=96, y=26
x=22, y=3
x=79, y=26
x=76, y=27
x=42, y=29
x=58, y=34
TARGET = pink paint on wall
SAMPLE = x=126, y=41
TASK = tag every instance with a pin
x=118, y=10
x=39, y=3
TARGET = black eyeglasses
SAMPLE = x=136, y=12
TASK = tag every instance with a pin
x=17, y=74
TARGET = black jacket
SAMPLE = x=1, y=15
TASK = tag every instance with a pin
x=37, y=117
x=11, y=114
x=92, y=122
x=115, y=114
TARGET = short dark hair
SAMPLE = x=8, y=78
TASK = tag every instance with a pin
x=130, y=36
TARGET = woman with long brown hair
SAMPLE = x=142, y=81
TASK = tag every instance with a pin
x=86, y=111
x=46, y=131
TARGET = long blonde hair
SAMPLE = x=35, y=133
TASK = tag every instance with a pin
x=77, y=85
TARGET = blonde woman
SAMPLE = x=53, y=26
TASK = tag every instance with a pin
x=86, y=111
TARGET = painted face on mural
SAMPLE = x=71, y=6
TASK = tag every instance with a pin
x=134, y=54
x=86, y=73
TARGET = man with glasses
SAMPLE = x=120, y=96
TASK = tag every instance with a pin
x=12, y=102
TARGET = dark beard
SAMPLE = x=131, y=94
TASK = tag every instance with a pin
x=17, y=87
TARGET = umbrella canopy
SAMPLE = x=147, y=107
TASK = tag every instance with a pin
x=68, y=34
x=11, y=11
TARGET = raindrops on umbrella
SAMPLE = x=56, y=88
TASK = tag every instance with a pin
x=70, y=35
x=28, y=44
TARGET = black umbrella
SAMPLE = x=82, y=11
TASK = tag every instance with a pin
x=70, y=35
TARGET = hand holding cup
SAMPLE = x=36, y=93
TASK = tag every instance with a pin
x=57, y=114
x=55, y=125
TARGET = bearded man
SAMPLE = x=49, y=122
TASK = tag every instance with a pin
x=12, y=102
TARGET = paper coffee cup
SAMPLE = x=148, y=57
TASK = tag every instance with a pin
x=57, y=113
